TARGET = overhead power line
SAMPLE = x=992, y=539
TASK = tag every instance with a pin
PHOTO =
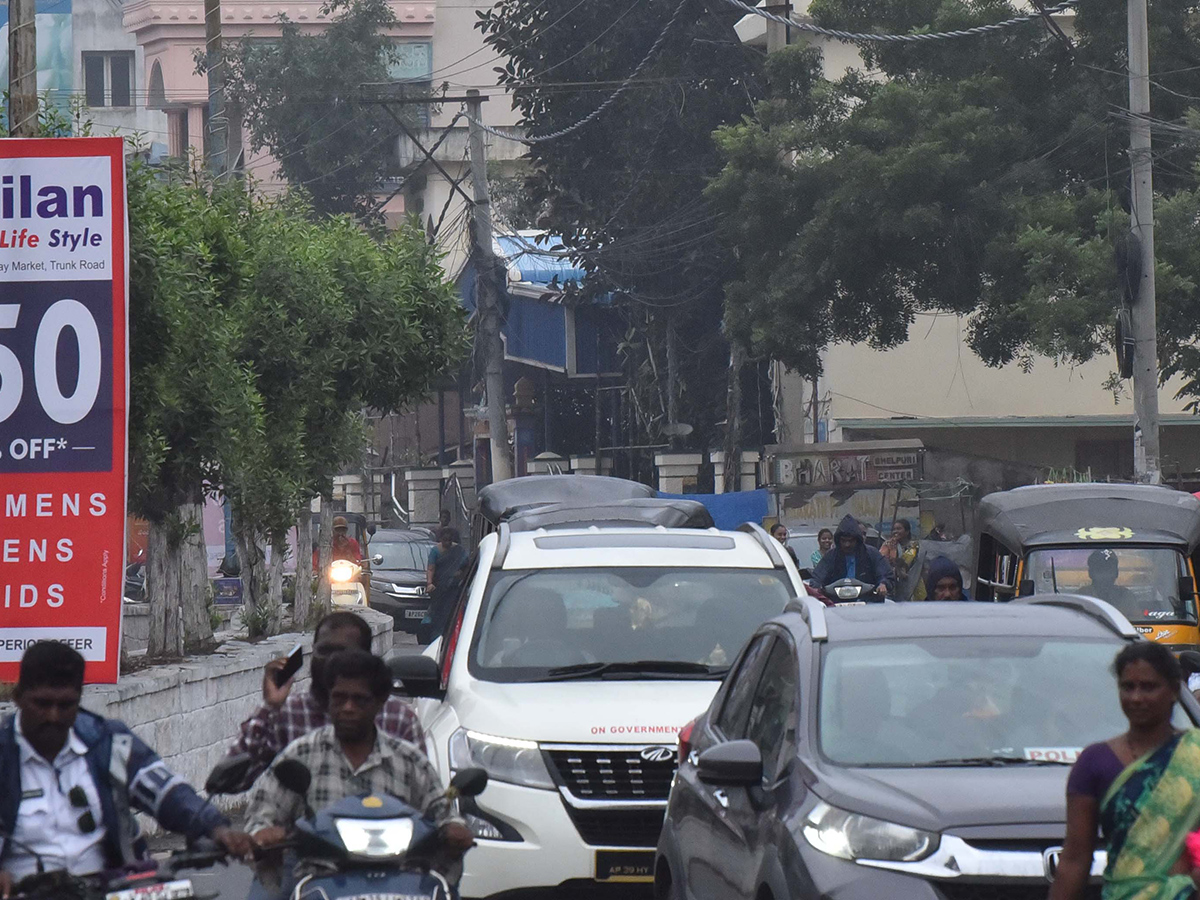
x=612, y=98
x=854, y=36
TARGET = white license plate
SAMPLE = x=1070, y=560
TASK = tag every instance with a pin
x=170, y=890
x=415, y=613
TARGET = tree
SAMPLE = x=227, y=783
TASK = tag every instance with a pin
x=983, y=176
x=301, y=98
x=626, y=190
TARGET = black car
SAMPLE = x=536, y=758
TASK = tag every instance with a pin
x=398, y=562
x=916, y=751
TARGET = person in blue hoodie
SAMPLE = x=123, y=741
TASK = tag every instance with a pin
x=70, y=781
x=852, y=558
x=944, y=580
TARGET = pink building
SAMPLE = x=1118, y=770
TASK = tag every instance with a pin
x=170, y=33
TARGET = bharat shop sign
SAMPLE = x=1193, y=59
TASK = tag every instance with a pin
x=834, y=470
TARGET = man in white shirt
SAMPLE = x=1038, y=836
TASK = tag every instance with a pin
x=71, y=780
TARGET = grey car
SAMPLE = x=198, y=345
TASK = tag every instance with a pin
x=916, y=751
x=398, y=561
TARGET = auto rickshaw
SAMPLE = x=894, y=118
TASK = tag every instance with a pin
x=1134, y=546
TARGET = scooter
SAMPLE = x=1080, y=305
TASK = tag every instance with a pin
x=851, y=591
x=345, y=583
x=372, y=846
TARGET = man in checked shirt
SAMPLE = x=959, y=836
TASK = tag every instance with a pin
x=350, y=757
x=285, y=716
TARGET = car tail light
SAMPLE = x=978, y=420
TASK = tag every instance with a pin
x=685, y=741
x=452, y=645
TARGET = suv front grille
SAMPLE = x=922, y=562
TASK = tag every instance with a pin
x=620, y=827
x=617, y=774
x=1034, y=891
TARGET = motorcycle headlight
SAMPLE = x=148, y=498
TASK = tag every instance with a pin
x=375, y=837
x=341, y=574
x=847, y=593
x=852, y=836
x=504, y=759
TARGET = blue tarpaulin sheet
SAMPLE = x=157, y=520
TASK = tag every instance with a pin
x=731, y=510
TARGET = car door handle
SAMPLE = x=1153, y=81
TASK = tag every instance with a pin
x=720, y=797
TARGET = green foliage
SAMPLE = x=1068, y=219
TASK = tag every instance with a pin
x=982, y=176
x=626, y=190
x=300, y=98
x=55, y=119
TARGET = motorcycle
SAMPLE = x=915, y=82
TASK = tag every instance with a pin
x=345, y=583
x=372, y=846
x=851, y=591
x=147, y=880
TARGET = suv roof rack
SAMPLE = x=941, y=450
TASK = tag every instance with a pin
x=767, y=542
x=503, y=542
x=813, y=612
x=1104, y=613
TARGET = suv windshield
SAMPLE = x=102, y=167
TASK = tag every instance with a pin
x=401, y=554
x=539, y=625
x=1142, y=582
x=977, y=700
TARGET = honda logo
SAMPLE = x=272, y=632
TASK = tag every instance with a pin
x=657, y=754
x=1050, y=858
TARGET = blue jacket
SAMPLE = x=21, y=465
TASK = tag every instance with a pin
x=129, y=777
x=870, y=566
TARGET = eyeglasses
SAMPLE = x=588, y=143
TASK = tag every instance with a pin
x=78, y=799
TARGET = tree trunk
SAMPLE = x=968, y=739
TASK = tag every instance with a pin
x=193, y=580
x=324, y=557
x=279, y=552
x=733, y=418
x=302, y=608
x=162, y=590
x=257, y=611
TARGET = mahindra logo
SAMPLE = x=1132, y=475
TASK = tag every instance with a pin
x=657, y=754
x=1050, y=859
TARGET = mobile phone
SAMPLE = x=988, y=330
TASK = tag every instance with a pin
x=295, y=659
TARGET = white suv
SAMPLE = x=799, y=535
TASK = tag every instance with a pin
x=572, y=661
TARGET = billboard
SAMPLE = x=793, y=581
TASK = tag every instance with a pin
x=63, y=397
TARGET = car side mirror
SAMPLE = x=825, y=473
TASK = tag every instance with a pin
x=469, y=782
x=1025, y=588
x=377, y=559
x=293, y=775
x=734, y=763
x=227, y=775
x=419, y=675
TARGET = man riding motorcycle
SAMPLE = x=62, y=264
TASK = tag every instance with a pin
x=852, y=558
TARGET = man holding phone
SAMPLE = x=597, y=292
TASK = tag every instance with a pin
x=286, y=716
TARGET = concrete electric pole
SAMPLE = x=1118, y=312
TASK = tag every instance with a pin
x=1147, y=466
x=22, y=68
x=217, y=139
x=487, y=286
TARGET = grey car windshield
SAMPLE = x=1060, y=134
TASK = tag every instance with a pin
x=533, y=624
x=924, y=700
x=1142, y=582
x=401, y=554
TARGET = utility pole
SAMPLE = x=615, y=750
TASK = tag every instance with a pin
x=1146, y=460
x=487, y=287
x=217, y=138
x=22, y=68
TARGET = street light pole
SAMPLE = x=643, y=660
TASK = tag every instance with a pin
x=1147, y=466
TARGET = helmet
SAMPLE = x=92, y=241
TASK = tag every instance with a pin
x=339, y=523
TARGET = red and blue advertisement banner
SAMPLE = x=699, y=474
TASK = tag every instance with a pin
x=63, y=398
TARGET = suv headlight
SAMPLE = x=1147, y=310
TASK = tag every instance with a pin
x=375, y=838
x=852, y=836
x=504, y=759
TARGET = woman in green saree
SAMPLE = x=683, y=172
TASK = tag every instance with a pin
x=1140, y=790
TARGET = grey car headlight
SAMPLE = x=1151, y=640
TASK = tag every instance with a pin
x=852, y=836
x=504, y=759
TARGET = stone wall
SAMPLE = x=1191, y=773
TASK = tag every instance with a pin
x=189, y=712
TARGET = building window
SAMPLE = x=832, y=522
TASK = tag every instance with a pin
x=108, y=78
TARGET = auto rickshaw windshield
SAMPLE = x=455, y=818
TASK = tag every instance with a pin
x=1141, y=582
